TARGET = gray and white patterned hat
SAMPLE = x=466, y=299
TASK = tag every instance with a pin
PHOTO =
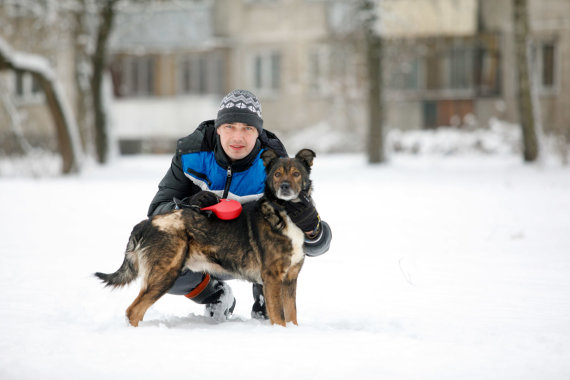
x=240, y=106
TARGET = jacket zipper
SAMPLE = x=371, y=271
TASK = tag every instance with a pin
x=228, y=183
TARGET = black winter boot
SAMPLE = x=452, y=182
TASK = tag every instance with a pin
x=258, y=311
x=218, y=297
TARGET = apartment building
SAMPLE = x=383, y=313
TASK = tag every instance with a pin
x=445, y=62
x=457, y=68
x=171, y=65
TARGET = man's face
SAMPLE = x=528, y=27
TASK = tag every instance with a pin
x=238, y=139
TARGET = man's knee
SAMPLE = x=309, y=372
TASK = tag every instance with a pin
x=197, y=286
x=186, y=282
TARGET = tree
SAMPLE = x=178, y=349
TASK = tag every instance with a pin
x=92, y=26
x=90, y=23
x=525, y=88
x=99, y=63
x=66, y=128
x=373, y=43
x=81, y=14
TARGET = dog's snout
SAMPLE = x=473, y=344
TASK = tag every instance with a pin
x=285, y=186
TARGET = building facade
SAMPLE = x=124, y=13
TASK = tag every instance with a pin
x=466, y=75
x=445, y=63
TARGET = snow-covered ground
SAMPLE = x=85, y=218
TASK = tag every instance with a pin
x=440, y=268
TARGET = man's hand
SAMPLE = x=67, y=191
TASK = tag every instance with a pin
x=200, y=200
x=304, y=214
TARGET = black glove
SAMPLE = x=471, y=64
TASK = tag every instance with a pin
x=199, y=200
x=303, y=213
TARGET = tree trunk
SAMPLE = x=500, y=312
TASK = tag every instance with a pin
x=102, y=140
x=84, y=104
x=525, y=105
x=61, y=117
x=373, y=42
x=375, y=101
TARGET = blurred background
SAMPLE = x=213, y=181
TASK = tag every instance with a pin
x=87, y=80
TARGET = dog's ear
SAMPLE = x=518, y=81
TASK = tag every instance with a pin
x=267, y=156
x=306, y=156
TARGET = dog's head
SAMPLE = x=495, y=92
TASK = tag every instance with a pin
x=287, y=177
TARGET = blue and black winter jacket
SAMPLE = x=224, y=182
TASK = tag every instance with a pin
x=201, y=164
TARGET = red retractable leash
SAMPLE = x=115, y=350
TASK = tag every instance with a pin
x=227, y=209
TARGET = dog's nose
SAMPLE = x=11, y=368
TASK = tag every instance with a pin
x=285, y=186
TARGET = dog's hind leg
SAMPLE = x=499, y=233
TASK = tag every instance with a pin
x=156, y=283
x=146, y=297
x=290, y=293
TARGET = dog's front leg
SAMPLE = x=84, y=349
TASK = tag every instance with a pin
x=273, y=289
x=290, y=293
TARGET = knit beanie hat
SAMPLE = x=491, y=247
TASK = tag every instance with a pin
x=240, y=106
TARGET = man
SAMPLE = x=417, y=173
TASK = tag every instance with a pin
x=221, y=159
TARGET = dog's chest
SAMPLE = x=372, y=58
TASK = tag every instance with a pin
x=297, y=239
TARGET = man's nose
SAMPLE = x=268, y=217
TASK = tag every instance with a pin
x=238, y=135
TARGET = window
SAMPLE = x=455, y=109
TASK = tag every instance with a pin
x=544, y=65
x=133, y=76
x=458, y=67
x=406, y=75
x=201, y=74
x=487, y=65
x=487, y=72
x=142, y=76
x=266, y=72
x=193, y=75
x=317, y=73
x=27, y=88
x=548, y=65
x=432, y=62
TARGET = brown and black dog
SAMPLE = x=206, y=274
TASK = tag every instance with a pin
x=262, y=245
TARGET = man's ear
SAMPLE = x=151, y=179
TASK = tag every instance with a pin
x=306, y=156
x=267, y=156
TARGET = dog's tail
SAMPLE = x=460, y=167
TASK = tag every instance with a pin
x=129, y=270
x=124, y=275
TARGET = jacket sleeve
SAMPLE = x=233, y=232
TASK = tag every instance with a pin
x=319, y=244
x=270, y=140
x=174, y=184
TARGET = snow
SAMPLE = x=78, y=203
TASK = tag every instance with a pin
x=25, y=61
x=440, y=268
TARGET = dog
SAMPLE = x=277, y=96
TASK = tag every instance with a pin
x=262, y=245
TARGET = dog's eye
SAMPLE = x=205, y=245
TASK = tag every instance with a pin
x=277, y=174
x=296, y=174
